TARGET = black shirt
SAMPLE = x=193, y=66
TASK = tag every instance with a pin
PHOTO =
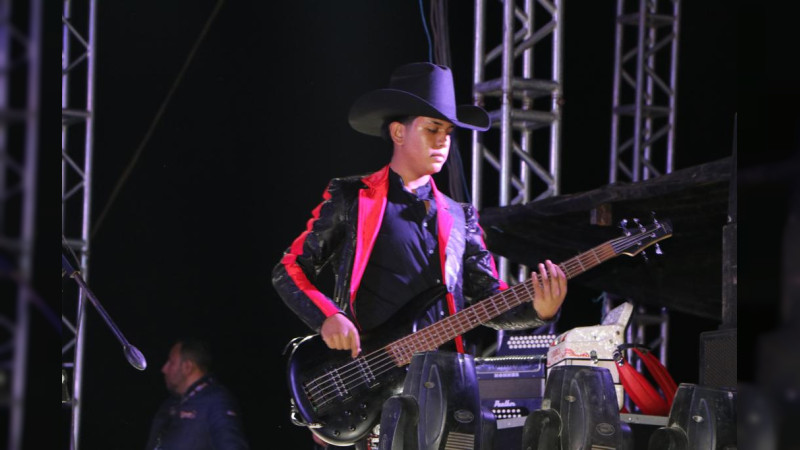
x=404, y=262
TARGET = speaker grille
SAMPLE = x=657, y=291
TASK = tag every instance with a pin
x=718, y=358
x=459, y=441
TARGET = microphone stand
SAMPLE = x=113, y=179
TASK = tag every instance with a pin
x=132, y=354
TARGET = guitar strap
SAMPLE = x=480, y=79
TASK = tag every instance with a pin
x=453, y=259
x=411, y=311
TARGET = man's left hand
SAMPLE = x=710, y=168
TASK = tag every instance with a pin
x=549, y=289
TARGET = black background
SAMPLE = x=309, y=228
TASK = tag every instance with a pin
x=248, y=142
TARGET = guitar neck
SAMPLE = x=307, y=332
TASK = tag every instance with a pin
x=436, y=334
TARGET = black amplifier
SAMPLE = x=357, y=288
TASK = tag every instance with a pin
x=511, y=387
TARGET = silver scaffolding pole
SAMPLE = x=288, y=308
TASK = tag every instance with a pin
x=20, y=47
x=77, y=76
x=524, y=101
x=644, y=90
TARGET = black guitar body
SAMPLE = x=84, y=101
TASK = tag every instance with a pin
x=350, y=395
x=340, y=398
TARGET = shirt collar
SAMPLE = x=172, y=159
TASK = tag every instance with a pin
x=424, y=192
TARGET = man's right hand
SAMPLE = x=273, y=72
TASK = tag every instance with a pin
x=339, y=333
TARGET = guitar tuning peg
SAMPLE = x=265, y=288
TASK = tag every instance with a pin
x=644, y=255
x=653, y=217
x=624, y=225
x=658, y=249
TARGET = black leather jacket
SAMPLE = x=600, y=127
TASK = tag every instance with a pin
x=340, y=235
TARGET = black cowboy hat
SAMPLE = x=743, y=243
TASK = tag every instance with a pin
x=416, y=89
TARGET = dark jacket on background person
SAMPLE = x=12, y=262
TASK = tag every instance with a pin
x=206, y=417
x=342, y=231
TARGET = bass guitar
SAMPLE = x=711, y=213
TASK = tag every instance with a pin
x=340, y=398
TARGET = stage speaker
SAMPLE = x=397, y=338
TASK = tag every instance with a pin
x=700, y=417
x=718, y=358
x=579, y=412
x=399, y=418
x=439, y=407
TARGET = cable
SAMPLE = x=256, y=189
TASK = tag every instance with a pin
x=427, y=33
x=126, y=173
x=441, y=32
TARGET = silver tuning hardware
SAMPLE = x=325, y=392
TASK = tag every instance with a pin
x=639, y=225
x=624, y=224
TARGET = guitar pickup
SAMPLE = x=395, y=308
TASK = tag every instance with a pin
x=366, y=372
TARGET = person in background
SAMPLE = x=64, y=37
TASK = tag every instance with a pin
x=200, y=413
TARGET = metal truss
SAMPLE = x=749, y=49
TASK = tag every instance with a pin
x=524, y=102
x=644, y=93
x=645, y=87
x=643, y=125
x=20, y=47
x=77, y=116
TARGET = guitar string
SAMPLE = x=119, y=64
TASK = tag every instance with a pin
x=426, y=337
x=383, y=361
x=329, y=387
x=387, y=363
x=323, y=397
x=416, y=336
x=379, y=366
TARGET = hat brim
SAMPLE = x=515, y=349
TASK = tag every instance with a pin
x=369, y=112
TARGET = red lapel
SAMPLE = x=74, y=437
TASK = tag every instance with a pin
x=371, y=205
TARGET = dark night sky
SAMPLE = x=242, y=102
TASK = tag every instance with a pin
x=245, y=147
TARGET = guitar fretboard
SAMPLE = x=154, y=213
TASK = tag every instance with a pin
x=436, y=334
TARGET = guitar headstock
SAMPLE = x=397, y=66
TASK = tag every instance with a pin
x=638, y=236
